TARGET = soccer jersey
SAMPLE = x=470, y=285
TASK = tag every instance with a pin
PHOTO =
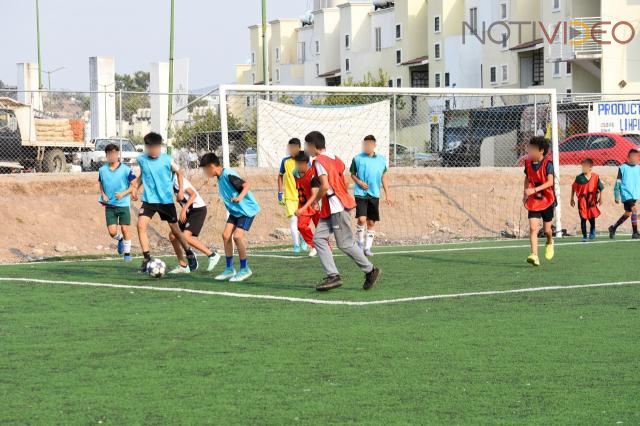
x=287, y=166
x=369, y=169
x=114, y=181
x=198, y=202
x=629, y=177
x=229, y=186
x=335, y=205
x=157, y=178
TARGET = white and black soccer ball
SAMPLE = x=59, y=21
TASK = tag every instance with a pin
x=156, y=268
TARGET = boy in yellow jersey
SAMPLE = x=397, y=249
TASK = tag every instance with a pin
x=288, y=193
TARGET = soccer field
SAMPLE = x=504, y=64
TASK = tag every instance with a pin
x=457, y=334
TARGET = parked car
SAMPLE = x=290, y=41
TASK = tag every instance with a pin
x=605, y=149
x=251, y=157
x=92, y=160
x=404, y=156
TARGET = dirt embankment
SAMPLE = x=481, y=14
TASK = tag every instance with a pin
x=46, y=215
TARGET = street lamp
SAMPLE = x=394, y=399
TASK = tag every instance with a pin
x=49, y=75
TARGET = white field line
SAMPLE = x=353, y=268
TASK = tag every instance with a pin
x=322, y=302
x=381, y=253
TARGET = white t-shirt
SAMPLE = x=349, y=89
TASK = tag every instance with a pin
x=199, y=202
x=334, y=202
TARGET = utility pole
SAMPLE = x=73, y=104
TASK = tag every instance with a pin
x=170, y=107
x=265, y=47
x=40, y=86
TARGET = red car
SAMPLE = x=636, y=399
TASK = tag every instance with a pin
x=605, y=149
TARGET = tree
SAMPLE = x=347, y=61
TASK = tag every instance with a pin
x=131, y=102
x=370, y=80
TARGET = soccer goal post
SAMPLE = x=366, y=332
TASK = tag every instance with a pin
x=455, y=156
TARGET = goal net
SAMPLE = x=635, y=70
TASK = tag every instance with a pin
x=455, y=156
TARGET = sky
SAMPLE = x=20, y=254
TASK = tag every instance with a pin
x=213, y=34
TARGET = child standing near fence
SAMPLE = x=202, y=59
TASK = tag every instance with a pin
x=308, y=211
x=588, y=188
x=627, y=190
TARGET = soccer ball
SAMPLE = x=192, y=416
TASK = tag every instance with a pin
x=156, y=268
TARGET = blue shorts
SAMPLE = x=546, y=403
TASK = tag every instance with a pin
x=242, y=222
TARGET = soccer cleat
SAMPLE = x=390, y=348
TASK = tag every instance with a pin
x=612, y=232
x=304, y=246
x=329, y=283
x=635, y=236
x=180, y=270
x=549, y=251
x=143, y=267
x=227, y=274
x=193, y=261
x=296, y=249
x=242, y=275
x=121, y=246
x=213, y=261
x=533, y=260
x=313, y=252
x=127, y=258
x=584, y=239
x=592, y=235
x=371, y=278
x=367, y=252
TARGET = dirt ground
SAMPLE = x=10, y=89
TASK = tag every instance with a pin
x=56, y=215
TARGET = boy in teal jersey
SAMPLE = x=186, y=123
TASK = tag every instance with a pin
x=156, y=176
x=115, y=195
x=369, y=172
x=627, y=190
x=242, y=208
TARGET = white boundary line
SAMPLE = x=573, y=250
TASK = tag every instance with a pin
x=322, y=302
x=382, y=253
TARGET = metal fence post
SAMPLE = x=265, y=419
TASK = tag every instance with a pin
x=224, y=130
x=395, y=130
x=556, y=161
x=119, y=129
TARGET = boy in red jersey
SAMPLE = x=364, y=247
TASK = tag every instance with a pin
x=539, y=196
x=308, y=186
x=588, y=187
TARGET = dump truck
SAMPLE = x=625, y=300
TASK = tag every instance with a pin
x=41, y=143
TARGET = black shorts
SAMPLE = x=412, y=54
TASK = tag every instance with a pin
x=195, y=221
x=369, y=207
x=242, y=222
x=629, y=205
x=167, y=212
x=545, y=215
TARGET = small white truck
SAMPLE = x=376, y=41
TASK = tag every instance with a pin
x=93, y=159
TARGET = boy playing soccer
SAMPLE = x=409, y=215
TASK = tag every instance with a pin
x=156, y=178
x=115, y=195
x=335, y=216
x=242, y=208
x=369, y=172
x=191, y=221
x=308, y=186
x=627, y=190
x=539, y=196
x=588, y=187
x=289, y=198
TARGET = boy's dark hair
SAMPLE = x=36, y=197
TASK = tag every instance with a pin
x=370, y=138
x=633, y=151
x=153, y=138
x=301, y=157
x=541, y=143
x=209, y=158
x=295, y=141
x=588, y=161
x=316, y=139
x=111, y=147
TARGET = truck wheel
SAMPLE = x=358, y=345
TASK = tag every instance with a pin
x=54, y=161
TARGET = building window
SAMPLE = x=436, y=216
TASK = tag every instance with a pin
x=568, y=68
x=556, y=5
x=317, y=70
x=347, y=41
x=347, y=65
x=505, y=40
x=398, y=56
x=317, y=47
x=437, y=54
x=447, y=81
x=253, y=77
x=253, y=58
x=420, y=78
x=302, y=52
x=378, y=38
x=538, y=67
x=493, y=75
x=504, y=11
x=390, y=83
x=438, y=77
x=505, y=73
x=398, y=82
x=473, y=20
x=277, y=75
x=436, y=24
x=248, y=101
x=277, y=54
x=398, y=31
x=556, y=69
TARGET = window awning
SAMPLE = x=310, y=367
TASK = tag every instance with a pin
x=529, y=45
x=334, y=73
x=421, y=60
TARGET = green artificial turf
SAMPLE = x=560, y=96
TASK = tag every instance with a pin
x=85, y=355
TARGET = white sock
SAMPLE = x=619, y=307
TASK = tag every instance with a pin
x=370, y=236
x=127, y=246
x=360, y=234
x=117, y=237
x=293, y=225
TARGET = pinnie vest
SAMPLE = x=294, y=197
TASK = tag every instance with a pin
x=588, y=197
x=335, y=174
x=303, y=184
x=544, y=199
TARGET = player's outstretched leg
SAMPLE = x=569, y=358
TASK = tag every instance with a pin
x=183, y=266
x=549, y=250
x=332, y=277
x=143, y=223
x=533, y=239
x=192, y=259
x=244, y=272
x=347, y=244
x=227, y=239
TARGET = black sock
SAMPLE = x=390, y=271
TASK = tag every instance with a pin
x=592, y=222
x=620, y=221
x=147, y=255
x=583, y=227
x=188, y=252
